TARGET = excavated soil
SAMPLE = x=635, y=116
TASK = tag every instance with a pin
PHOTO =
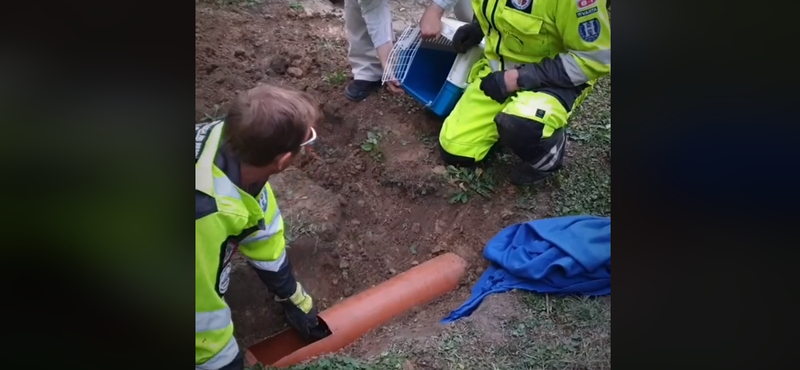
x=353, y=218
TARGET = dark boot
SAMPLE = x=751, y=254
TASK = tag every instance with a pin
x=524, y=174
x=358, y=90
x=455, y=160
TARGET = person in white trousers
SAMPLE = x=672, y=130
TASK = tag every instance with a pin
x=369, y=33
x=430, y=23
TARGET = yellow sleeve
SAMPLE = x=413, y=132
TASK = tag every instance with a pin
x=266, y=248
x=585, y=28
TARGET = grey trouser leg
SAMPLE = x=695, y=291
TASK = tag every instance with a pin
x=361, y=53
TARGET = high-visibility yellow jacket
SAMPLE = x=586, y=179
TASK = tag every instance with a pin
x=568, y=40
x=228, y=218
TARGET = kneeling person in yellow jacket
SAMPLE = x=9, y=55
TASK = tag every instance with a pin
x=235, y=208
x=541, y=59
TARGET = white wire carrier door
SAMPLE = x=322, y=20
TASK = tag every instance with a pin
x=405, y=49
x=402, y=54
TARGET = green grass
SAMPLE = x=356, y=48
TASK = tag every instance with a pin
x=295, y=227
x=329, y=45
x=214, y=115
x=545, y=333
x=548, y=333
x=294, y=5
x=335, y=78
x=470, y=181
x=372, y=145
x=573, y=333
x=584, y=185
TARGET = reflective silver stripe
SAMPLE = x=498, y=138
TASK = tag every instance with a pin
x=214, y=320
x=275, y=224
x=599, y=56
x=268, y=232
x=573, y=70
x=496, y=65
x=552, y=156
x=269, y=265
x=258, y=236
x=224, y=357
x=224, y=186
x=571, y=66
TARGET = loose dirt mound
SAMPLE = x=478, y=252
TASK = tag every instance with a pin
x=372, y=199
x=311, y=211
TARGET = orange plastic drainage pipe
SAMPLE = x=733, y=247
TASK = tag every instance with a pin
x=359, y=314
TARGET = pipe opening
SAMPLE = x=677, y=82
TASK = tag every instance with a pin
x=320, y=332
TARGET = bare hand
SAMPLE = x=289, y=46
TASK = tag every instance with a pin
x=510, y=79
x=431, y=22
x=394, y=87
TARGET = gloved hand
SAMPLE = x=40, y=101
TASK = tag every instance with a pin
x=301, y=314
x=494, y=86
x=466, y=37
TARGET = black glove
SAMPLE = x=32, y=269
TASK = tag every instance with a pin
x=302, y=315
x=494, y=86
x=466, y=37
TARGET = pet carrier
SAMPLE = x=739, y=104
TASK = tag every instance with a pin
x=430, y=70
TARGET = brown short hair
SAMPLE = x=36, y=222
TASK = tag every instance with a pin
x=267, y=121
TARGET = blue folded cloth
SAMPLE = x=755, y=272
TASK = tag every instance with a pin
x=562, y=255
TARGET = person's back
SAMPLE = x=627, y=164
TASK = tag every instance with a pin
x=235, y=209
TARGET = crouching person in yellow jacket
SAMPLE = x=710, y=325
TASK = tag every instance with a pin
x=235, y=209
x=541, y=59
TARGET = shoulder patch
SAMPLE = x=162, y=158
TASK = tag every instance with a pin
x=263, y=199
x=589, y=30
x=583, y=4
x=521, y=5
